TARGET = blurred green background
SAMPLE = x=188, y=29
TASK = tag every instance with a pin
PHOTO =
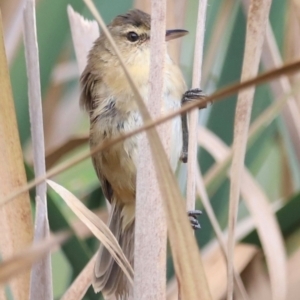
x=271, y=158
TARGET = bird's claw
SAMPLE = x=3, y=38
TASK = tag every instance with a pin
x=194, y=95
x=193, y=216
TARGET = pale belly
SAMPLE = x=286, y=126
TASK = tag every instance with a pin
x=118, y=163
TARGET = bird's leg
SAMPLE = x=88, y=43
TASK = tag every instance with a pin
x=193, y=216
x=189, y=96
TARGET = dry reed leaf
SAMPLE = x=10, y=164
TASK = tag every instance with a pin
x=256, y=26
x=84, y=33
x=271, y=58
x=176, y=12
x=151, y=228
x=97, y=227
x=23, y=260
x=291, y=42
x=80, y=285
x=289, y=68
x=15, y=217
x=260, y=209
x=215, y=269
x=194, y=115
x=81, y=230
x=41, y=273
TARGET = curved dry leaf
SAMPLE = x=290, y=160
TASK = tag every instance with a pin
x=97, y=227
x=260, y=209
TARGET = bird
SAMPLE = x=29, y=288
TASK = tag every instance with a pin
x=109, y=100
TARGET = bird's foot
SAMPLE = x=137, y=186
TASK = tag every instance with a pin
x=193, y=95
x=193, y=216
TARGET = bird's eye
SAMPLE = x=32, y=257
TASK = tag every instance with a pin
x=132, y=36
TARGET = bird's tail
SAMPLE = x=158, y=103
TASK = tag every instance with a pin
x=108, y=276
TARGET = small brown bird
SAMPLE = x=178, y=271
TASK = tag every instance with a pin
x=108, y=98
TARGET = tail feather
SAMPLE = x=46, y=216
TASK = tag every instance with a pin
x=108, y=276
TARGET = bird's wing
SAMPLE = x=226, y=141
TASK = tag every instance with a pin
x=106, y=187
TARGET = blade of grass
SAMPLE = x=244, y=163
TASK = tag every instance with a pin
x=256, y=26
x=151, y=225
x=98, y=228
x=15, y=217
x=193, y=115
x=41, y=274
x=288, y=68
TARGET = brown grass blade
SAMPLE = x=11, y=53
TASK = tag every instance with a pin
x=256, y=26
x=193, y=115
x=289, y=68
x=97, y=227
x=151, y=225
x=260, y=209
x=41, y=274
x=80, y=285
x=15, y=217
x=23, y=260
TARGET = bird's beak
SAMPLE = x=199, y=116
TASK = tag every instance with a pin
x=175, y=33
